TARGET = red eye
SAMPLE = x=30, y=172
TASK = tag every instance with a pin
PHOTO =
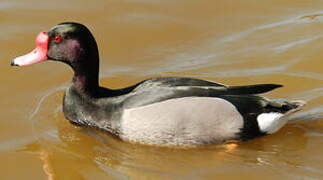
x=58, y=39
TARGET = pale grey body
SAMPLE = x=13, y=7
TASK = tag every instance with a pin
x=182, y=121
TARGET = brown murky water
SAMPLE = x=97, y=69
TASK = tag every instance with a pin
x=233, y=42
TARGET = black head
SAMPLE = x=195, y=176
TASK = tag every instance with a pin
x=69, y=42
x=72, y=43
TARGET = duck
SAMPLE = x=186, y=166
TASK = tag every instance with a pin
x=162, y=111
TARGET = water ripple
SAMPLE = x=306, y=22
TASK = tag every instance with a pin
x=110, y=171
x=44, y=97
x=284, y=47
x=308, y=115
x=311, y=75
x=16, y=144
x=308, y=95
x=303, y=18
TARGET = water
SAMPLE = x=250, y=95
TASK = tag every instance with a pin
x=227, y=41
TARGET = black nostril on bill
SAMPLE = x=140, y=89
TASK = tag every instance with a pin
x=13, y=63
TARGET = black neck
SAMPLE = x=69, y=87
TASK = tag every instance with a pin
x=86, y=72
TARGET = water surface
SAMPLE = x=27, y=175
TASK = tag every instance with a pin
x=233, y=42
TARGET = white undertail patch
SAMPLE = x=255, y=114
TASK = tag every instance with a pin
x=270, y=122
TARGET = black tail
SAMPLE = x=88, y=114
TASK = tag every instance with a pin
x=252, y=89
x=284, y=106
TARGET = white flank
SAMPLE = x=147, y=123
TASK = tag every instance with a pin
x=270, y=122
